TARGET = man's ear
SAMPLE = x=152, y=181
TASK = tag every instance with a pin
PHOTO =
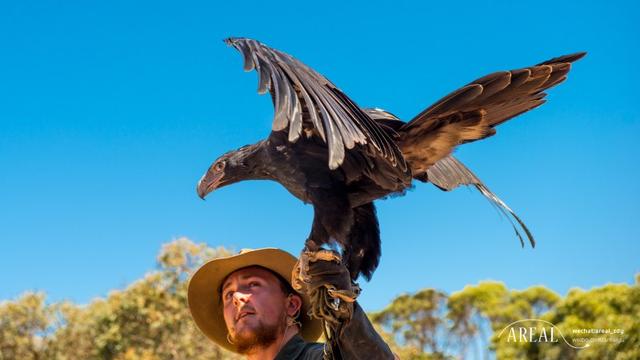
x=294, y=305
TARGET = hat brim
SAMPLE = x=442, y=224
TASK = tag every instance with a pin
x=205, y=301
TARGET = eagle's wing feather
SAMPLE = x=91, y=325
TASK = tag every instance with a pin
x=448, y=173
x=304, y=100
x=471, y=112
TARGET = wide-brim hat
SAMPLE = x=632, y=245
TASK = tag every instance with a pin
x=205, y=301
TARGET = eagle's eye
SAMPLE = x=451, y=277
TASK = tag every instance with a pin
x=219, y=166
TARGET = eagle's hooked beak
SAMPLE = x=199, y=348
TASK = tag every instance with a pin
x=208, y=183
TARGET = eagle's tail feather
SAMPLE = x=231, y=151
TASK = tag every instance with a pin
x=362, y=253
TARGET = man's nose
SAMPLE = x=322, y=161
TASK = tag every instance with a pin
x=240, y=298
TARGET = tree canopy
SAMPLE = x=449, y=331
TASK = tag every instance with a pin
x=150, y=320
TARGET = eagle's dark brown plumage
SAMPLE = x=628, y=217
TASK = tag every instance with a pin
x=329, y=152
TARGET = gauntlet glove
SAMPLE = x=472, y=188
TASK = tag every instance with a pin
x=325, y=279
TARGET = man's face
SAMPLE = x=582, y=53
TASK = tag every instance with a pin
x=255, y=307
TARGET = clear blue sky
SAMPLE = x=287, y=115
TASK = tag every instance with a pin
x=110, y=112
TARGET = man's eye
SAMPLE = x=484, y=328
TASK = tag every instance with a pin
x=254, y=283
x=228, y=295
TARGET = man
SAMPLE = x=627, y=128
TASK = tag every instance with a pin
x=246, y=304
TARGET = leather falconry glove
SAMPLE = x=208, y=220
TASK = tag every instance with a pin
x=325, y=279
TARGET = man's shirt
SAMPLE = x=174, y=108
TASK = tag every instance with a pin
x=357, y=340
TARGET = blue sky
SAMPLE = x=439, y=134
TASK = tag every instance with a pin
x=110, y=112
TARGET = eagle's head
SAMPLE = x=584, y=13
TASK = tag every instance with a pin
x=231, y=167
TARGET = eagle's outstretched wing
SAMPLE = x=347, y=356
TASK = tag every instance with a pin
x=306, y=102
x=448, y=173
x=471, y=112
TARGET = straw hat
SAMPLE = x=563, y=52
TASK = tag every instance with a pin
x=205, y=302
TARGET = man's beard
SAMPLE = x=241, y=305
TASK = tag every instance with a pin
x=260, y=336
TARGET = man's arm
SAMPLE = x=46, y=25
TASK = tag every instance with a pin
x=323, y=276
x=359, y=340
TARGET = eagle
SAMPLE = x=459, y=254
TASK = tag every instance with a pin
x=330, y=153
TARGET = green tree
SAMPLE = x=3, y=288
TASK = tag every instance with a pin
x=25, y=327
x=418, y=320
x=148, y=320
x=473, y=311
x=613, y=306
